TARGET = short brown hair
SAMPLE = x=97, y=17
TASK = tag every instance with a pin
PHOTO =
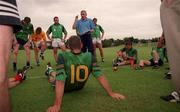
x=74, y=42
x=38, y=30
x=27, y=19
x=55, y=17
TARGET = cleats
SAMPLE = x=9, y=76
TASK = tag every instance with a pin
x=48, y=69
x=42, y=56
x=173, y=97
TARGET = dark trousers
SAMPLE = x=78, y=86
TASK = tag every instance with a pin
x=87, y=43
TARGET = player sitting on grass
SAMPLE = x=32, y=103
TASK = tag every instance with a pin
x=157, y=56
x=18, y=78
x=73, y=70
x=125, y=56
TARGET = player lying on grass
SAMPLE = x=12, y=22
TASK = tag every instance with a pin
x=125, y=56
x=157, y=56
x=18, y=78
x=73, y=70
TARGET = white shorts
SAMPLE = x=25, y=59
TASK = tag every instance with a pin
x=57, y=42
x=96, y=40
x=38, y=44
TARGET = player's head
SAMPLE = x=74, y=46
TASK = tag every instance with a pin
x=27, y=20
x=56, y=20
x=38, y=30
x=161, y=42
x=95, y=20
x=128, y=44
x=83, y=14
x=74, y=42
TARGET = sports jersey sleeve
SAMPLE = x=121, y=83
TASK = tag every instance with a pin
x=61, y=74
x=96, y=72
x=122, y=50
x=31, y=30
x=153, y=48
x=9, y=14
x=92, y=25
x=49, y=29
x=64, y=30
x=43, y=36
x=101, y=29
x=33, y=37
x=135, y=53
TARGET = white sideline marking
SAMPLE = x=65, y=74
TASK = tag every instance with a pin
x=37, y=77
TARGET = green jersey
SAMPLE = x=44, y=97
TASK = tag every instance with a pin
x=97, y=31
x=75, y=69
x=130, y=53
x=159, y=51
x=57, y=31
x=25, y=31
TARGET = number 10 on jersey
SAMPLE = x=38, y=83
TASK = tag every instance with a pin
x=75, y=73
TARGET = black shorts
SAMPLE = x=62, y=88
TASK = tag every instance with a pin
x=160, y=62
x=21, y=42
x=10, y=15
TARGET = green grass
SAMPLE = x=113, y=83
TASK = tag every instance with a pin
x=141, y=87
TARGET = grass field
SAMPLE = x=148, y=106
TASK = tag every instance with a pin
x=141, y=87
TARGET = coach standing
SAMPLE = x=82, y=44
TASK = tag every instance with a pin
x=84, y=27
x=9, y=23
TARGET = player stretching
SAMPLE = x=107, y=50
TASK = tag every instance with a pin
x=73, y=70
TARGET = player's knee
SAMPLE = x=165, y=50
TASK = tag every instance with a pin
x=28, y=52
x=3, y=80
x=141, y=61
x=154, y=51
x=15, y=52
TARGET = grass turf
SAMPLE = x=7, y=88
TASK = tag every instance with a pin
x=141, y=87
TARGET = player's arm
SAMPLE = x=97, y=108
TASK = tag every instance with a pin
x=102, y=32
x=59, y=91
x=75, y=23
x=48, y=33
x=104, y=83
x=92, y=25
x=30, y=33
x=65, y=33
x=133, y=57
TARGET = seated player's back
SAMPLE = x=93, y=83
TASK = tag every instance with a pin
x=77, y=69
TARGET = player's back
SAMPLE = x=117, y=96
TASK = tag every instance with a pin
x=77, y=69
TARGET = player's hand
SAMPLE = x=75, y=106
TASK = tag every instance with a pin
x=63, y=40
x=101, y=38
x=54, y=108
x=76, y=17
x=117, y=96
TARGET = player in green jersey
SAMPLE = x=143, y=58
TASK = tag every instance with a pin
x=97, y=35
x=157, y=56
x=126, y=56
x=73, y=70
x=57, y=39
x=23, y=39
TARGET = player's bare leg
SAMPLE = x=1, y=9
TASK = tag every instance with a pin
x=6, y=36
x=101, y=51
x=27, y=49
x=15, y=54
